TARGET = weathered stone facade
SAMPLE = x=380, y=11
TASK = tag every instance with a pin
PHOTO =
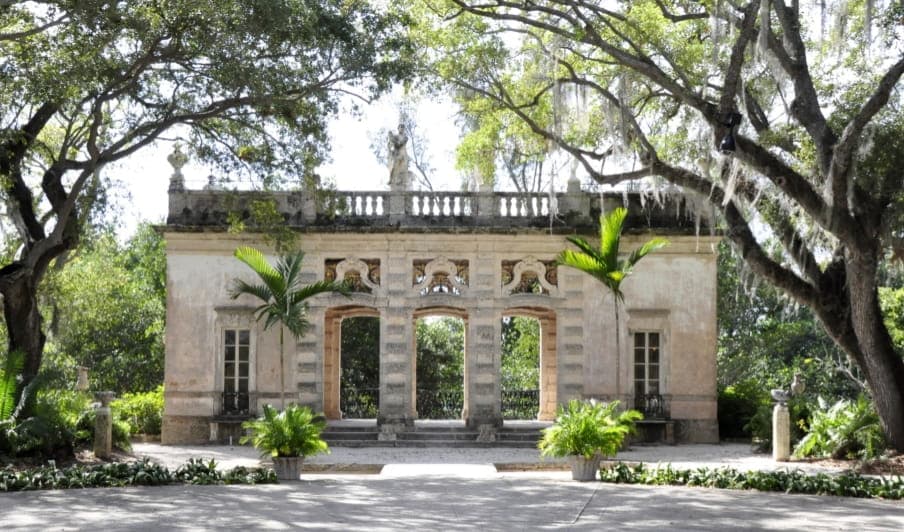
x=477, y=256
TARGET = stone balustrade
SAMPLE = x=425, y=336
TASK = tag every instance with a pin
x=424, y=210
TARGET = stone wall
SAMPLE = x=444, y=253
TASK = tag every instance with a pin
x=672, y=291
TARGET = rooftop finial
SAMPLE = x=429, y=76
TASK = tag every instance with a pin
x=177, y=160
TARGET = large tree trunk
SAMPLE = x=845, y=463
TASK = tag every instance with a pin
x=882, y=366
x=23, y=320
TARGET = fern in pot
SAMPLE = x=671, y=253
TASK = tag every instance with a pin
x=585, y=432
x=287, y=436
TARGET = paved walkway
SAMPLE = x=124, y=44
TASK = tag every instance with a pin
x=443, y=489
x=737, y=456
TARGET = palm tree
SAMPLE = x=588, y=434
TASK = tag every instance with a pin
x=603, y=263
x=284, y=297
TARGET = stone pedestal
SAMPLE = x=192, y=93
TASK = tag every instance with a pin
x=103, y=426
x=781, y=433
x=103, y=432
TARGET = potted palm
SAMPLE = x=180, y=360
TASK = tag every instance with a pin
x=585, y=432
x=288, y=437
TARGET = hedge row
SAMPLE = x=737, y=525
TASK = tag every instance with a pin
x=140, y=473
x=795, y=481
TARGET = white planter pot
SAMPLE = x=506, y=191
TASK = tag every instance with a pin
x=584, y=470
x=287, y=467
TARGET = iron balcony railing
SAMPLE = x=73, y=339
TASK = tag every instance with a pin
x=440, y=404
x=236, y=403
x=652, y=406
x=359, y=403
x=520, y=404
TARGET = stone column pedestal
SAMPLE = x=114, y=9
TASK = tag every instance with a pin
x=103, y=426
x=781, y=433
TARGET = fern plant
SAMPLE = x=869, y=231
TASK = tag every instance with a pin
x=293, y=432
x=9, y=381
x=588, y=429
x=844, y=429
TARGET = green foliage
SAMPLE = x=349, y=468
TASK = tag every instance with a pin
x=143, y=411
x=139, y=473
x=361, y=365
x=60, y=420
x=440, y=354
x=796, y=481
x=293, y=432
x=588, y=428
x=9, y=381
x=764, y=338
x=845, y=429
x=520, y=353
x=603, y=262
x=108, y=306
x=737, y=406
x=283, y=297
x=892, y=303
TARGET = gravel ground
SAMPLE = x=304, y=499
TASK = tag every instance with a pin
x=738, y=456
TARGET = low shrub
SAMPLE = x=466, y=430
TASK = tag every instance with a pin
x=796, y=481
x=141, y=473
x=846, y=429
x=737, y=405
x=143, y=411
x=60, y=420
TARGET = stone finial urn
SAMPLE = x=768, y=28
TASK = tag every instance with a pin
x=104, y=398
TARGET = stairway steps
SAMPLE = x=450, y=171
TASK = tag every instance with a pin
x=430, y=435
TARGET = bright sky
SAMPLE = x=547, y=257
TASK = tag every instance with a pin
x=145, y=176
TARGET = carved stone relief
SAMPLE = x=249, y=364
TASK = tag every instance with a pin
x=362, y=274
x=440, y=276
x=529, y=276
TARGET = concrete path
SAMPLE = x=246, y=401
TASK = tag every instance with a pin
x=505, y=502
x=444, y=489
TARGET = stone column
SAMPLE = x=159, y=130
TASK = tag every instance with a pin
x=781, y=433
x=103, y=426
x=483, y=360
x=396, y=358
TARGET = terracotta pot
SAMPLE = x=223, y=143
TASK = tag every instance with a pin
x=287, y=467
x=583, y=469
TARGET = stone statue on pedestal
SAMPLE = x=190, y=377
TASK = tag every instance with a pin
x=398, y=159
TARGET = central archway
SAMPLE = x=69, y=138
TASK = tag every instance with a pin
x=439, y=362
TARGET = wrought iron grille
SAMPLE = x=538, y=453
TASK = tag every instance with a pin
x=440, y=404
x=363, y=403
x=520, y=404
x=652, y=406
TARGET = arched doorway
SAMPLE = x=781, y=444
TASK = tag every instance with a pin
x=363, y=399
x=519, y=401
x=439, y=362
x=520, y=368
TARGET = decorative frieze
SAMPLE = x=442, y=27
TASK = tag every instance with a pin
x=529, y=276
x=363, y=275
x=440, y=276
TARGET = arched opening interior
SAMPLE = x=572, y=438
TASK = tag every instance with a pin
x=359, y=380
x=528, y=342
x=520, y=369
x=440, y=363
x=355, y=329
